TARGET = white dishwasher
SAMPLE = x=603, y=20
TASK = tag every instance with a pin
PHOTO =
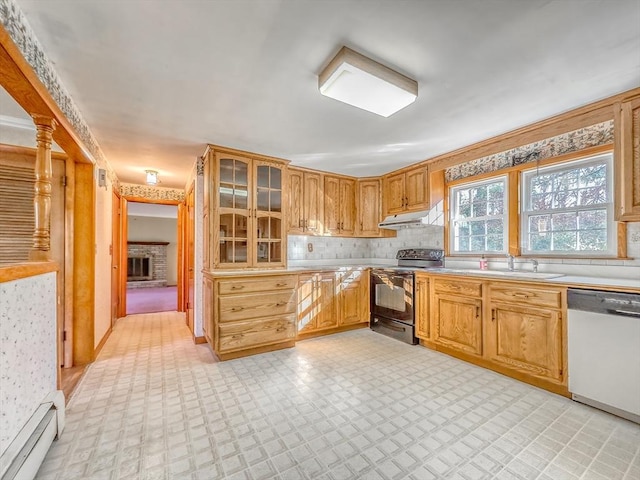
x=604, y=350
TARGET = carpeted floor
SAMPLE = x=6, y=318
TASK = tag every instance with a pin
x=152, y=300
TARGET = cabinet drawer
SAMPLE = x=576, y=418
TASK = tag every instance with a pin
x=257, y=284
x=458, y=287
x=253, y=333
x=241, y=307
x=534, y=296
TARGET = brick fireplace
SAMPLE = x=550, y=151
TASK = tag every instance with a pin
x=146, y=264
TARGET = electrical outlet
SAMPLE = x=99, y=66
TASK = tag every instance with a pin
x=310, y=247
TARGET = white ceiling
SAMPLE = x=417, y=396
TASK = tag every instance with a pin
x=157, y=80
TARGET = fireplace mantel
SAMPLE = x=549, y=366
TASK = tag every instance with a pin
x=148, y=243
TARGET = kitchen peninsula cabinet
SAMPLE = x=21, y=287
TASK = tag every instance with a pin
x=525, y=331
x=339, y=206
x=353, y=300
x=332, y=301
x=246, y=210
x=251, y=314
x=306, y=202
x=627, y=133
x=317, y=302
x=457, y=314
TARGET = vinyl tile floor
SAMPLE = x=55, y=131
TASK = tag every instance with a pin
x=355, y=405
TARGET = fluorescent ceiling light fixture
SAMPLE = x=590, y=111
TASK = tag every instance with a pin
x=152, y=177
x=359, y=81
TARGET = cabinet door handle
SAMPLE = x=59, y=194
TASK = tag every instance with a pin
x=237, y=309
x=300, y=223
x=280, y=304
x=237, y=287
x=477, y=312
x=493, y=314
x=521, y=295
x=281, y=284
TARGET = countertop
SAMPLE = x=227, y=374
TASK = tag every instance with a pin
x=624, y=284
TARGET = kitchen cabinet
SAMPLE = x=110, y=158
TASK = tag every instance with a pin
x=422, y=314
x=339, y=206
x=369, y=209
x=353, y=299
x=306, y=202
x=317, y=302
x=525, y=331
x=251, y=314
x=246, y=210
x=406, y=191
x=457, y=314
x=627, y=136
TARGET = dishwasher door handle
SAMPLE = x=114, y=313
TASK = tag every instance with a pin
x=626, y=313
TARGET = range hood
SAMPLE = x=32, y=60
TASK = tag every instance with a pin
x=405, y=220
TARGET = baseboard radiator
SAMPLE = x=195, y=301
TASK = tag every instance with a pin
x=22, y=459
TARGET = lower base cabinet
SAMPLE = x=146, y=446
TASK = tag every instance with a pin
x=515, y=328
x=332, y=301
x=251, y=314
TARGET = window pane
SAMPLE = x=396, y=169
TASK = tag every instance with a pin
x=463, y=244
x=495, y=207
x=239, y=252
x=275, y=251
x=263, y=252
x=495, y=243
x=540, y=242
x=477, y=244
x=240, y=226
x=226, y=196
x=276, y=178
x=564, y=221
x=479, y=209
x=226, y=225
x=226, y=170
x=495, y=227
x=593, y=240
x=477, y=228
x=241, y=197
x=565, y=240
x=276, y=228
x=592, y=219
x=276, y=201
x=263, y=227
x=263, y=200
x=263, y=176
x=241, y=171
x=577, y=218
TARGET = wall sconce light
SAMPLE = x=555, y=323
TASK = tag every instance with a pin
x=364, y=83
x=152, y=177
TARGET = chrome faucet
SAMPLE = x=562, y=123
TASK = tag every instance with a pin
x=535, y=265
x=510, y=265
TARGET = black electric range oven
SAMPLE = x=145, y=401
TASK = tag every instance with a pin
x=393, y=295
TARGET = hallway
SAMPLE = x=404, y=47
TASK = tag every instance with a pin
x=356, y=405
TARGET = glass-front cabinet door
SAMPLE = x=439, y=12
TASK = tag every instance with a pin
x=269, y=227
x=234, y=211
x=246, y=211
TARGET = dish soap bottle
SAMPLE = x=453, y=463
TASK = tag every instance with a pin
x=483, y=263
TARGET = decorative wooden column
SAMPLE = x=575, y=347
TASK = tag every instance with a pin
x=41, y=251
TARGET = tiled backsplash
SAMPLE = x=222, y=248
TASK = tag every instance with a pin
x=327, y=248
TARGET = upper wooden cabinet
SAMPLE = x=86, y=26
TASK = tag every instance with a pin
x=406, y=191
x=246, y=210
x=339, y=206
x=627, y=132
x=369, y=208
x=306, y=202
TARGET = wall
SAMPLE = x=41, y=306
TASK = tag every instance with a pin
x=156, y=229
x=369, y=249
x=28, y=345
x=103, y=220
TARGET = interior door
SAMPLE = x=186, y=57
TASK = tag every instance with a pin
x=115, y=256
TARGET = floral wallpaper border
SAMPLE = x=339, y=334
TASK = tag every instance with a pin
x=591, y=136
x=151, y=193
x=15, y=22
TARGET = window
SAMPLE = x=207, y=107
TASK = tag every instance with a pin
x=479, y=217
x=568, y=208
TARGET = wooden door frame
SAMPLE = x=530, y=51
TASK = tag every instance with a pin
x=116, y=249
x=188, y=232
x=124, y=211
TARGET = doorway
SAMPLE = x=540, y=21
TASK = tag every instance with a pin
x=152, y=258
